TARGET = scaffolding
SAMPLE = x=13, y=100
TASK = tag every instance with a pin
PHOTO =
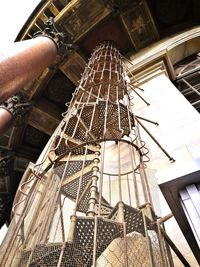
x=87, y=201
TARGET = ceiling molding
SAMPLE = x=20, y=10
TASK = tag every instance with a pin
x=154, y=66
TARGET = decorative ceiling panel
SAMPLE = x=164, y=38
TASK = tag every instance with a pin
x=140, y=25
x=80, y=16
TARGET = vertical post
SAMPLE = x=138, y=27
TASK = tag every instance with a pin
x=101, y=177
x=57, y=188
x=93, y=188
x=139, y=144
x=110, y=196
x=72, y=228
x=120, y=204
x=137, y=195
x=125, y=246
x=169, y=255
x=129, y=190
x=95, y=241
x=61, y=219
x=161, y=246
x=148, y=240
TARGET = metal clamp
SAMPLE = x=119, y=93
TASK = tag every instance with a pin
x=19, y=107
x=59, y=38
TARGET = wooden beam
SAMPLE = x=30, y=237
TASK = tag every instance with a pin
x=53, y=9
x=45, y=116
x=73, y=67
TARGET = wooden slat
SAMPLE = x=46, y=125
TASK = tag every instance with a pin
x=43, y=17
x=53, y=9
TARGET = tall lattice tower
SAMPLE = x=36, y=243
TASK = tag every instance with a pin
x=86, y=202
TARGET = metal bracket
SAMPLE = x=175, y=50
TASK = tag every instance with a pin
x=19, y=107
x=59, y=38
x=152, y=137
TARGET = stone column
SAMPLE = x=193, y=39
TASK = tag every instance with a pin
x=23, y=63
x=27, y=59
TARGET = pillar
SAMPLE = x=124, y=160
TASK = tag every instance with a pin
x=24, y=62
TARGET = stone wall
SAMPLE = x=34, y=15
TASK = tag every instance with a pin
x=178, y=133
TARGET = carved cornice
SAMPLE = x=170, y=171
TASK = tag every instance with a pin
x=154, y=66
x=164, y=54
